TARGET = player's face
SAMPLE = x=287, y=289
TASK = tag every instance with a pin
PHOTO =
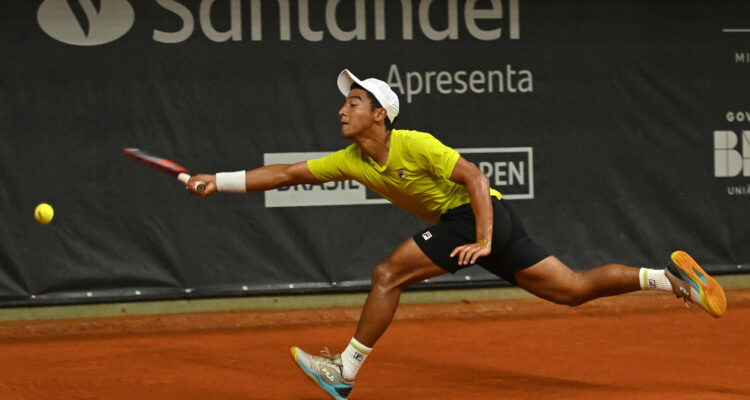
x=357, y=114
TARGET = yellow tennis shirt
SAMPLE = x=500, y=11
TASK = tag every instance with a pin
x=415, y=178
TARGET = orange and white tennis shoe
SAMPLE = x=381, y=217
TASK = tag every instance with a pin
x=691, y=283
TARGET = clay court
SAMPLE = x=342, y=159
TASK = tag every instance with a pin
x=640, y=346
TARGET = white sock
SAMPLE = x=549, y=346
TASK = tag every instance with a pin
x=352, y=358
x=654, y=279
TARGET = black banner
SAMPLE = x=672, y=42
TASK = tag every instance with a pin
x=619, y=129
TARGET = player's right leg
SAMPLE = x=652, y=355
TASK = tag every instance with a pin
x=404, y=267
x=325, y=371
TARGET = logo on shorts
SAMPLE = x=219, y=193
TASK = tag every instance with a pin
x=652, y=283
x=427, y=235
x=358, y=356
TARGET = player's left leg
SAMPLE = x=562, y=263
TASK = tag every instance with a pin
x=552, y=280
x=535, y=270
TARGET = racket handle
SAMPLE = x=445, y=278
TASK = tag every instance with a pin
x=184, y=178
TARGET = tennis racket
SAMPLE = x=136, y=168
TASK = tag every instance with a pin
x=162, y=164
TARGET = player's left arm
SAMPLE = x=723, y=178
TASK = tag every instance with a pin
x=478, y=186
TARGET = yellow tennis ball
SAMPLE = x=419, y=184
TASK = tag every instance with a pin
x=44, y=213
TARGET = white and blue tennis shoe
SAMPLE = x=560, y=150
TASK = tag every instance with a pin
x=325, y=371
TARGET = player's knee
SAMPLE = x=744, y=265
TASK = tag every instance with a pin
x=572, y=295
x=387, y=276
x=572, y=299
x=383, y=276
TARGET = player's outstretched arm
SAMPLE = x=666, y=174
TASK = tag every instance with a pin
x=264, y=178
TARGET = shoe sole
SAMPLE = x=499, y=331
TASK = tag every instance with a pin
x=713, y=299
x=314, y=377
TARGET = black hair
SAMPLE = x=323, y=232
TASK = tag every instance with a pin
x=375, y=104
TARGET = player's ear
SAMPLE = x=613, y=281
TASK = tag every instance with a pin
x=380, y=114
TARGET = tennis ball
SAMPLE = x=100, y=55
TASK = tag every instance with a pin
x=44, y=213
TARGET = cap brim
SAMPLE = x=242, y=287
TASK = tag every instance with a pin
x=345, y=81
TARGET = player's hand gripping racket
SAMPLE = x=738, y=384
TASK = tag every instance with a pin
x=164, y=165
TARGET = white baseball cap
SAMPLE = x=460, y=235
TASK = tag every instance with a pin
x=381, y=90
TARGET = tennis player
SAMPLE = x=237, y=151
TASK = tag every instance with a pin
x=470, y=223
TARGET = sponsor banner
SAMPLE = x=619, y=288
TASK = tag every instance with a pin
x=85, y=22
x=732, y=159
x=731, y=141
x=510, y=170
x=616, y=144
x=92, y=23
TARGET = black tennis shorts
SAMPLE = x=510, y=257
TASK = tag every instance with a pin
x=512, y=248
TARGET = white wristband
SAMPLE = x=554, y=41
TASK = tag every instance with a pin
x=233, y=182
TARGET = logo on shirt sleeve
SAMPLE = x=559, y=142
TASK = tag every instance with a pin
x=427, y=235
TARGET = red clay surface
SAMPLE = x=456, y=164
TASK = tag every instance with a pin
x=627, y=347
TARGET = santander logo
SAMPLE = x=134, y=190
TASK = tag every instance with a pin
x=85, y=22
